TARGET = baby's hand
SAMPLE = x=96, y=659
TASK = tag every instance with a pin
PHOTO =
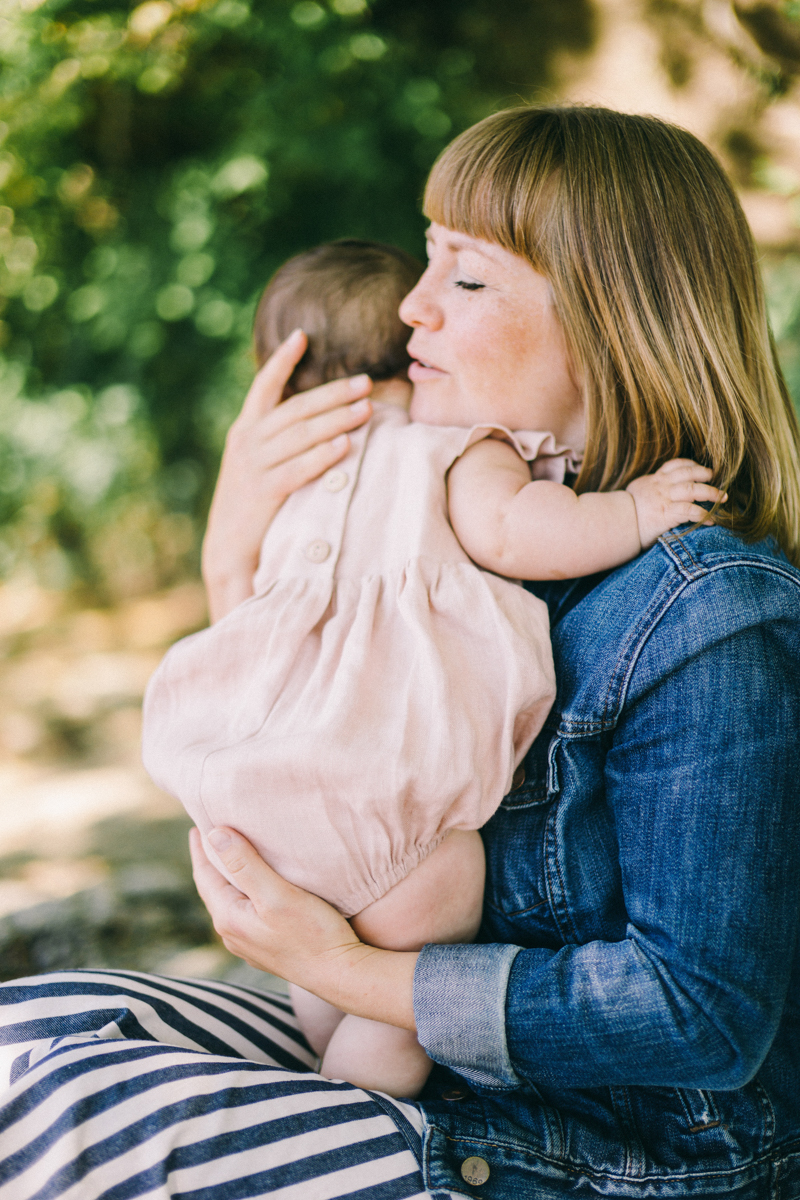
x=670, y=497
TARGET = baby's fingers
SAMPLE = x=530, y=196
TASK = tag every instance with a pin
x=685, y=468
x=696, y=515
x=696, y=492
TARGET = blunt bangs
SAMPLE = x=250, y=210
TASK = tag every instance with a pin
x=495, y=181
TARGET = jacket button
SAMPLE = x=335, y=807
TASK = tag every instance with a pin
x=519, y=778
x=454, y=1094
x=334, y=481
x=475, y=1171
x=317, y=551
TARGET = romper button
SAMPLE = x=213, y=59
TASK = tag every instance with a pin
x=453, y=1094
x=519, y=778
x=317, y=551
x=475, y=1171
x=334, y=481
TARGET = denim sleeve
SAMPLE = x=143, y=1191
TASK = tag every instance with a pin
x=459, y=1004
x=701, y=777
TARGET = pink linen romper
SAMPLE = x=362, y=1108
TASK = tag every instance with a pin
x=376, y=691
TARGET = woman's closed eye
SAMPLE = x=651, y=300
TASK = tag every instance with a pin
x=469, y=286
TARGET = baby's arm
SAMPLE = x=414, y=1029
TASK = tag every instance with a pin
x=535, y=529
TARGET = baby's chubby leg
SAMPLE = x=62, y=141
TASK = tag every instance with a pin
x=439, y=901
x=317, y=1018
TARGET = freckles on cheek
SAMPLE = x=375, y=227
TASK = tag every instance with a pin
x=500, y=359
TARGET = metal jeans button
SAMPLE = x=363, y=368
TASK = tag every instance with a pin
x=475, y=1171
x=454, y=1094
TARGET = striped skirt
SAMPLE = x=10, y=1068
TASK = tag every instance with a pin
x=115, y=1084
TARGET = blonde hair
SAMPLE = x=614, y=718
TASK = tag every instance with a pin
x=654, y=277
x=345, y=296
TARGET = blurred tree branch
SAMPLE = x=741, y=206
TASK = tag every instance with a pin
x=773, y=29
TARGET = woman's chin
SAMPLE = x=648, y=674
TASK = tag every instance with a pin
x=428, y=404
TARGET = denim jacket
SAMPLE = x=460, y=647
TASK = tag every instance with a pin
x=628, y=1023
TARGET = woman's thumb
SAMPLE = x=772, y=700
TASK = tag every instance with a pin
x=234, y=852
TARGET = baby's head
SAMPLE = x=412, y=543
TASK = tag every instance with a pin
x=345, y=296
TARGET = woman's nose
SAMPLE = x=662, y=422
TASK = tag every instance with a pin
x=419, y=307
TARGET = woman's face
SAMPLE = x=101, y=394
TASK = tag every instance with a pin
x=487, y=345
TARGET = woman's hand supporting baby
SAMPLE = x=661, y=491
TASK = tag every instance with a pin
x=280, y=928
x=271, y=450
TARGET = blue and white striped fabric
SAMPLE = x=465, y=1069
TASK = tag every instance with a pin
x=115, y=1084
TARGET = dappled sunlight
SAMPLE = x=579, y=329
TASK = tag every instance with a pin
x=94, y=863
x=83, y=831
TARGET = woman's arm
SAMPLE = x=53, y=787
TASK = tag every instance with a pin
x=272, y=450
x=278, y=927
x=671, y=871
x=537, y=529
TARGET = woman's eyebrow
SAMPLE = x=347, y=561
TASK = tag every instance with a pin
x=461, y=241
x=473, y=246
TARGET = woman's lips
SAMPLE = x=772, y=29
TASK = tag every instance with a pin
x=419, y=372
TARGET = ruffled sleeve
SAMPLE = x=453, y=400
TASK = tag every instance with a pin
x=548, y=460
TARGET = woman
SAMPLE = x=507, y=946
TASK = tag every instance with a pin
x=628, y=1023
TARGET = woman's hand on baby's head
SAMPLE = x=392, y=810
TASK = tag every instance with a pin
x=272, y=450
x=295, y=441
x=672, y=496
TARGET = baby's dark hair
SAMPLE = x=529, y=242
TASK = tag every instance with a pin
x=345, y=295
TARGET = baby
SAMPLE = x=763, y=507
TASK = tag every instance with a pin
x=363, y=713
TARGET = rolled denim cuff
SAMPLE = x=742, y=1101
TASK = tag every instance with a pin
x=460, y=1010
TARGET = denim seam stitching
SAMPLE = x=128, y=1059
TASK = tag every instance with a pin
x=573, y=1167
x=621, y=675
x=768, y=1115
x=635, y=652
x=620, y=678
x=559, y=910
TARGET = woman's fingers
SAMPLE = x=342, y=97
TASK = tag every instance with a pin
x=267, y=387
x=335, y=394
x=272, y=450
x=278, y=927
x=232, y=912
x=340, y=404
x=213, y=887
x=277, y=445
x=263, y=919
x=252, y=875
x=299, y=469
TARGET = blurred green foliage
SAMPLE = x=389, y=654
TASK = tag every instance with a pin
x=782, y=278
x=157, y=163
